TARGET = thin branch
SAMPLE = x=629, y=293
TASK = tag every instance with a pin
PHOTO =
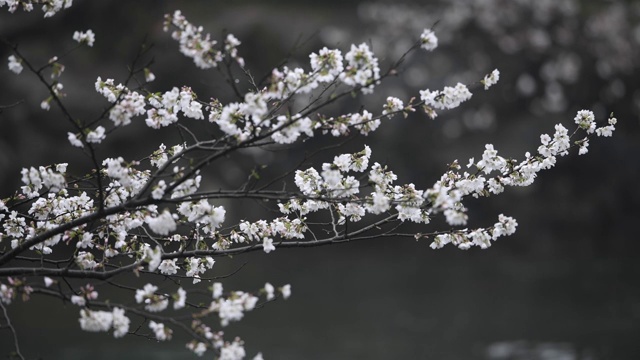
x=13, y=331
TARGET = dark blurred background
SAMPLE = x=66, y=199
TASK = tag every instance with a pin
x=565, y=286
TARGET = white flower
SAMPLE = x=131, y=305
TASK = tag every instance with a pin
x=267, y=245
x=158, y=190
x=448, y=98
x=148, y=75
x=73, y=139
x=286, y=291
x=217, y=290
x=179, y=299
x=161, y=332
x=232, y=351
x=195, y=44
x=152, y=256
x=51, y=7
x=586, y=120
x=153, y=301
x=505, y=226
x=584, y=144
x=95, y=136
x=168, y=267
x=95, y=321
x=6, y=294
x=85, y=260
x=428, y=40
x=605, y=131
x=327, y=64
x=362, y=68
x=130, y=105
x=230, y=310
x=392, y=105
x=87, y=37
x=162, y=224
x=147, y=291
x=15, y=64
x=78, y=300
x=491, y=161
x=120, y=323
x=491, y=79
x=198, y=348
x=269, y=290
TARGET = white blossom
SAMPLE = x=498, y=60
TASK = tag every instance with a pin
x=85, y=260
x=286, y=291
x=95, y=321
x=232, y=351
x=392, y=105
x=86, y=37
x=448, y=98
x=168, y=267
x=161, y=332
x=326, y=64
x=269, y=291
x=217, y=290
x=162, y=224
x=6, y=294
x=586, y=120
x=267, y=245
x=198, y=348
x=179, y=299
x=94, y=136
x=428, y=40
x=362, y=68
x=491, y=79
x=15, y=64
x=120, y=323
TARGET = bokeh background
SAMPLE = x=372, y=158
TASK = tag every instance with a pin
x=565, y=286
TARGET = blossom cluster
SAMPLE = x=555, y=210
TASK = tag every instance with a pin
x=448, y=98
x=102, y=321
x=198, y=46
x=50, y=7
x=85, y=37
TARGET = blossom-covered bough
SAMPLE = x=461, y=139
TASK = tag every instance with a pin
x=74, y=237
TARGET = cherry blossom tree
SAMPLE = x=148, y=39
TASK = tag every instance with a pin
x=74, y=236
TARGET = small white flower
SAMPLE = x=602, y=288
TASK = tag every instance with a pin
x=586, y=120
x=269, y=290
x=429, y=40
x=179, y=299
x=96, y=136
x=267, y=245
x=148, y=75
x=45, y=104
x=161, y=332
x=491, y=79
x=168, y=267
x=87, y=37
x=15, y=64
x=78, y=300
x=120, y=323
x=217, y=290
x=162, y=224
x=286, y=291
x=95, y=321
